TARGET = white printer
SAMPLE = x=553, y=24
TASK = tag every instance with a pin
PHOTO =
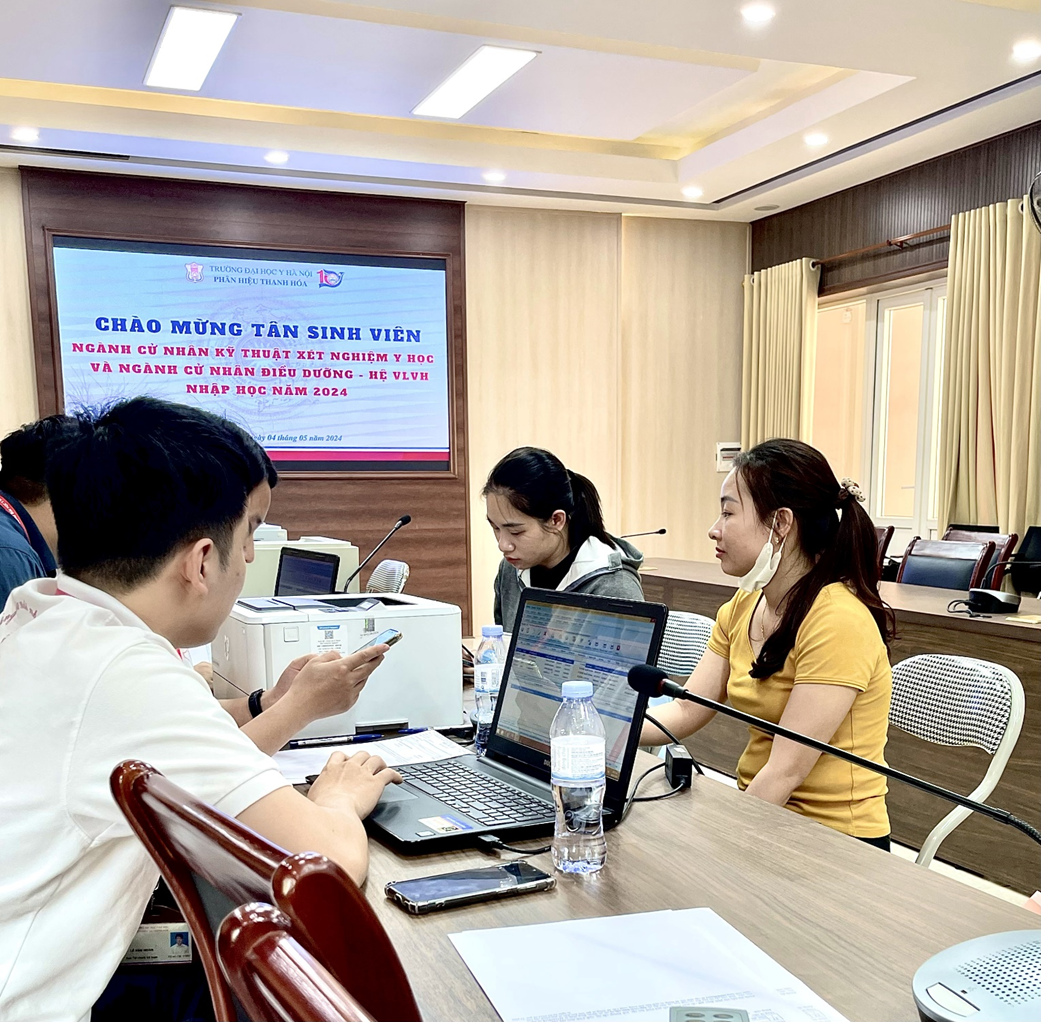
x=419, y=683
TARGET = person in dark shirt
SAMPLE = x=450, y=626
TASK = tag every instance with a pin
x=28, y=537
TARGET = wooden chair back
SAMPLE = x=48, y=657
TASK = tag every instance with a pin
x=944, y=565
x=1004, y=544
x=274, y=976
x=213, y=864
x=884, y=537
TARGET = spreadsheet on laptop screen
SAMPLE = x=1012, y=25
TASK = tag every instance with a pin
x=555, y=644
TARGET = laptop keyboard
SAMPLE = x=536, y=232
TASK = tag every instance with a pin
x=482, y=798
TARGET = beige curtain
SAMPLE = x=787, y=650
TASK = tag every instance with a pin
x=990, y=414
x=780, y=340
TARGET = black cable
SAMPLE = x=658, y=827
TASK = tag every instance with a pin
x=497, y=843
x=636, y=787
x=668, y=734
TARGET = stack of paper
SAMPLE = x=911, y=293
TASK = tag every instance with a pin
x=633, y=967
x=424, y=747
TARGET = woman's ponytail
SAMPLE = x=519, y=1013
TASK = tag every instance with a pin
x=587, y=518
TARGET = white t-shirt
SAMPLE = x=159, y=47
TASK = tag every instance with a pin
x=84, y=685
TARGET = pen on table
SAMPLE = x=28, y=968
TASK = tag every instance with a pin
x=309, y=743
x=409, y=731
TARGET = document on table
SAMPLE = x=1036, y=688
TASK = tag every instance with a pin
x=633, y=967
x=424, y=747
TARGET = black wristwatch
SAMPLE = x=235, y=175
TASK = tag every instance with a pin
x=255, y=708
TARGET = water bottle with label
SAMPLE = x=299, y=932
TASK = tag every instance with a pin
x=578, y=759
x=488, y=664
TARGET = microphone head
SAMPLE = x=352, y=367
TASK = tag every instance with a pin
x=404, y=520
x=647, y=678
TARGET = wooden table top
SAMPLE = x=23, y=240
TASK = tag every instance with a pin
x=851, y=921
x=911, y=603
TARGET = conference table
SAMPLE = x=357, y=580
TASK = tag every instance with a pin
x=851, y=921
x=924, y=625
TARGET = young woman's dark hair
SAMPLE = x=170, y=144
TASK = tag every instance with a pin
x=134, y=482
x=835, y=533
x=536, y=483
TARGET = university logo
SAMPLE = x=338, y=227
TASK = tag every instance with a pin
x=194, y=272
x=329, y=278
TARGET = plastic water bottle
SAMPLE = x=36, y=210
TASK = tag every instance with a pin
x=488, y=664
x=577, y=756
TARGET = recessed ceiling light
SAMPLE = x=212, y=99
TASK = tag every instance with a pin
x=481, y=73
x=277, y=156
x=494, y=177
x=766, y=209
x=692, y=192
x=187, y=48
x=1026, y=50
x=25, y=134
x=815, y=138
x=757, y=14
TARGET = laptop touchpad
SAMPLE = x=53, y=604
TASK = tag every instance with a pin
x=396, y=793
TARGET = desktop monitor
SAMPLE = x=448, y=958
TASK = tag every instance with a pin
x=306, y=572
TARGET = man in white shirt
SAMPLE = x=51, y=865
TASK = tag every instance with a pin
x=155, y=506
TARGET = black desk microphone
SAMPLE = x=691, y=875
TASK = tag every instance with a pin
x=400, y=523
x=655, y=682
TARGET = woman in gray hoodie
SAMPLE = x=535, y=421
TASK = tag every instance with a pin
x=550, y=529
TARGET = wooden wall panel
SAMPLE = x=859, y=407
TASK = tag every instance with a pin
x=682, y=316
x=359, y=508
x=542, y=294
x=914, y=199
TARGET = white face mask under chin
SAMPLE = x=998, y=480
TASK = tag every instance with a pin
x=765, y=567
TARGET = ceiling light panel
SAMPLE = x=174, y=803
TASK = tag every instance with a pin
x=815, y=138
x=1026, y=51
x=187, y=48
x=25, y=134
x=757, y=14
x=478, y=76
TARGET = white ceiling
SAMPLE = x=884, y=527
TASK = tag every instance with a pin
x=625, y=105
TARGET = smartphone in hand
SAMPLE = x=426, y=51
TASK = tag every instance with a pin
x=388, y=636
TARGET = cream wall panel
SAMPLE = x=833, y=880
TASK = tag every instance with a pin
x=17, y=373
x=542, y=299
x=682, y=310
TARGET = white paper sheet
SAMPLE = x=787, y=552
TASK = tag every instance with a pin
x=425, y=747
x=633, y=967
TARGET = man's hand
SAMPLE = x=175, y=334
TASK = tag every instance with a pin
x=353, y=784
x=324, y=685
x=285, y=680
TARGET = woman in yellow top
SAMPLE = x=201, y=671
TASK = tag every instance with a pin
x=803, y=643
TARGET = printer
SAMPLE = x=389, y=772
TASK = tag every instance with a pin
x=419, y=683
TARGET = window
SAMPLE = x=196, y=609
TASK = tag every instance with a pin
x=877, y=375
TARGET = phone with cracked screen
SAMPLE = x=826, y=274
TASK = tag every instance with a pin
x=447, y=890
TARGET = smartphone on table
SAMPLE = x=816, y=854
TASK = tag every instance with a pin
x=388, y=635
x=447, y=890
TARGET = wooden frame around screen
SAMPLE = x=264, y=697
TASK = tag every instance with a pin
x=151, y=209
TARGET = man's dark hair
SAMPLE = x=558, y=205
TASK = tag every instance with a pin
x=141, y=479
x=24, y=455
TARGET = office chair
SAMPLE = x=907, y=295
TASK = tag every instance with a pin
x=684, y=642
x=1004, y=544
x=1026, y=578
x=273, y=976
x=958, y=701
x=943, y=564
x=212, y=864
x=884, y=537
x=388, y=577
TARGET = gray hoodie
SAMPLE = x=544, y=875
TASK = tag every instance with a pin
x=598, y=569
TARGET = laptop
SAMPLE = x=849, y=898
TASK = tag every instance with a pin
x=306, y=572
x=557, y=637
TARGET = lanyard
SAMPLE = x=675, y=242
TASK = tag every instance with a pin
x=6, y=505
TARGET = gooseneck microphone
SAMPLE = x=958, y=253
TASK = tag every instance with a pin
x=633, y=535
x=655, y=682
x=400, y=523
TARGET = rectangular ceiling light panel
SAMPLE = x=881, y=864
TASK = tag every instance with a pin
x=480, y=74
x=187, y=48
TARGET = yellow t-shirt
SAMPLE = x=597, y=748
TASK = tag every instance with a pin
x=838, y=643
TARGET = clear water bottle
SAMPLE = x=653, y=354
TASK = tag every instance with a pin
x=577, y=756
x=488, y=664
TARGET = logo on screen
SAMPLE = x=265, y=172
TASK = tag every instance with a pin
x=194, y=272
x=329, y=278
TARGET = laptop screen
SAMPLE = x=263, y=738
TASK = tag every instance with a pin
x=306, y=572
x=584, y=639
